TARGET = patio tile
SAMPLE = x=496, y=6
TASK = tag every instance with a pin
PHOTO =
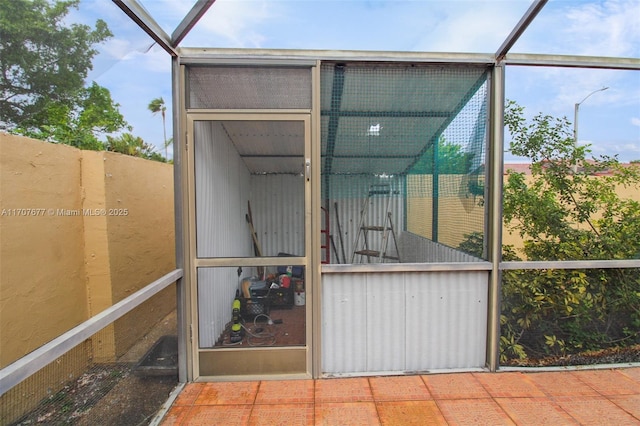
x=629, y=403
x=189, y=393
x=593, y=410
x=175, y=416
x=285, y=392
x=609, y=382
x=403, y=413
x=475, y=412
x=228, y=415
x=561, y=384
x=399, y=388
x=282, y=414
x=225, y=393
x=343, y=390
x=535, y=412
x=508, y=385
x=349, y=413
x=454, y=386
x=633, y=373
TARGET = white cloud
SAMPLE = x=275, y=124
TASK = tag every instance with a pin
x=592, y=28
x=470, y=26
x=234, y=22
x=635, y=121
x=610, y=28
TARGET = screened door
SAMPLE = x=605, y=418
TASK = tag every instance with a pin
x=250, y=225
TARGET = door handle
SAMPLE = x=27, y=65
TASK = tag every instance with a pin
x=307, y=168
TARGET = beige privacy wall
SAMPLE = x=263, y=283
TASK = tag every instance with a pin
x=79, y=231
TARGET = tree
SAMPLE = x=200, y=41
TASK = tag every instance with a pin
x=157, y=106
x=451, y=159
x=133, y=145
x=93, y=113
x=568, y=210
x=43, y=61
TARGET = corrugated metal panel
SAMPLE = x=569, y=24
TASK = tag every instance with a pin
x=418, y=249
x=277, y=203
x=350, y=193
x=447, y=315
x=344, y=320
x=403, y=322
x=386, y=328
x=222, y=191
x=216, y=291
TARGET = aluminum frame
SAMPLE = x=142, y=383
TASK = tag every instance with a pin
x=501, y=58
x=29, y=364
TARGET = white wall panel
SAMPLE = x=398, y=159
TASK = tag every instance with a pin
x=222, y=191
x=386, y=326
x=417, y=249
x=448, y=313
x=344, y=321
x=216, y=291
x=277, y=203
x=350, y=192
x=408, y=322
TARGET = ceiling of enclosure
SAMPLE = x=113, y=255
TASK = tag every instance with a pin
x=381, y=118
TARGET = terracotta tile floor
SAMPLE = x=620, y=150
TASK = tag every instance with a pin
x=579, y=397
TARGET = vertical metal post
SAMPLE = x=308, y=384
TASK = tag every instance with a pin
x=182, y=298
x=496, y=148
x=315, y=340
x=435, y=191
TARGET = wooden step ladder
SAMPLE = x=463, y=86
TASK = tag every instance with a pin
x=383, y=193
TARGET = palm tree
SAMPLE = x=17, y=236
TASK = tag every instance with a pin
x=157, y=106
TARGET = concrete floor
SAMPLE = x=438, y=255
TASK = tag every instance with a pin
x=576, y=397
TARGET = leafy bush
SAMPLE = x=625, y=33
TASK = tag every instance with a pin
x=568, y=210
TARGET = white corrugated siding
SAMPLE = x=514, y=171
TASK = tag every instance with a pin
x=403, y=322
x=277, y=204
x=222, y=191
x=349, y=192
x=223, y=187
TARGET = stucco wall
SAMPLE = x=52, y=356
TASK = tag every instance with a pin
x=460, y=213
x=101, y=227
x=139, y=193
x=42, y=274
x=513, y=237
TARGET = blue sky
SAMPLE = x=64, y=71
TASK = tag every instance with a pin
x=136, y=71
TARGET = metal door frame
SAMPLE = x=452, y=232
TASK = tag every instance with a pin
x=270, y=357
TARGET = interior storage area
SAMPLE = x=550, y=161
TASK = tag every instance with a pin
x=403, y=160
x=250, y=202
x=399, y=150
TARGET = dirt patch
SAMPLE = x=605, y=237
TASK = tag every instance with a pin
x=133, y=401
x=111, y=394
x=107, y=394
x=619, y=355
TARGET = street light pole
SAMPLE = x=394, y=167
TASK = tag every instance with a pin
x=575, y=122
x=575, y=114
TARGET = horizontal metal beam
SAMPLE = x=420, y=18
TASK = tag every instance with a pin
x=405, y=267
x=571, y=264
x=273, y=57
x=545, y=60
x=29, y=364
x=139, y=15
x=379, y=156
x=189, y=56
x=519, y=29
x=392, y=114
x=197, y=11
